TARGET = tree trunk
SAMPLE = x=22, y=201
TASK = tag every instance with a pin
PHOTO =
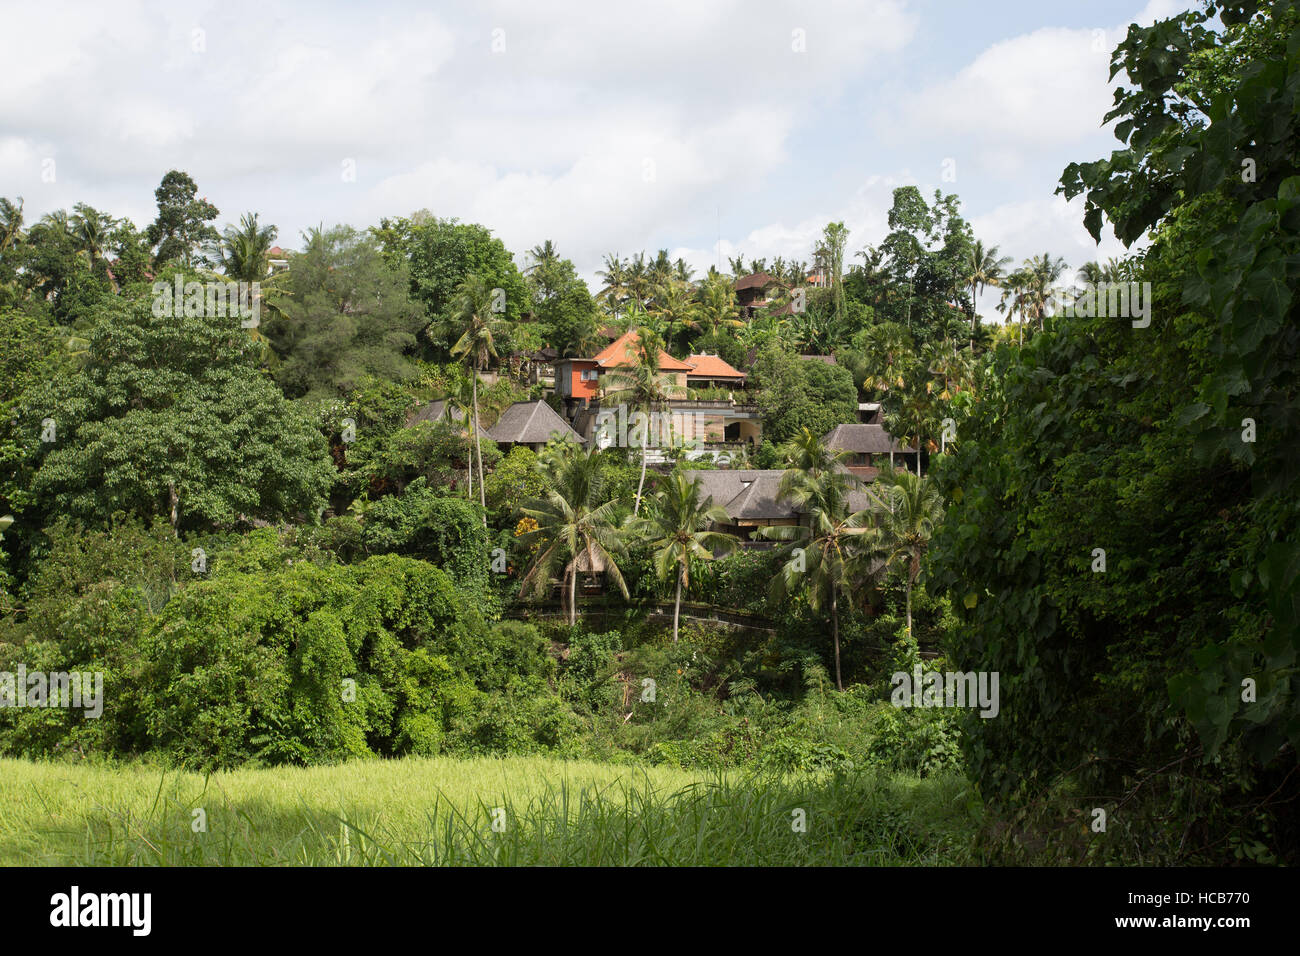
x=677, y=607
x=573, y=593
x=641, y=484
x=909, y=607
x=835, y=630
x=482, y=498
x=175, y=503
x=469, y=468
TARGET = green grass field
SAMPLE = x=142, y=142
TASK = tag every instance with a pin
x=440, y=812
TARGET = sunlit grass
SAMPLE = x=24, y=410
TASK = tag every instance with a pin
x=441, y=812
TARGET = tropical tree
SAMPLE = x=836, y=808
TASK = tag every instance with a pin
x=243, y=253
x=11, y=223
x=830, y=554
x=676, y=525
x=615, y=289
x=676, y=310
x=984, y=268
x=643, y=387
x=716, y=308
x=471, y=311
x=1016, y=297
x=914, y=511
x=573, y=520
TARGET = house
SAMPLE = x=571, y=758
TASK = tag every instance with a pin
x=539, y=366
x=578, y=380
x=751, y=500
x=869, y=447
x=441, y=411
x=532, y=424
x=708, y=370
x=277, y=260
x=751, y=293
x=869, y=413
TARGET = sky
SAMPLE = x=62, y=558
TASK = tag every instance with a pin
x=710, y=128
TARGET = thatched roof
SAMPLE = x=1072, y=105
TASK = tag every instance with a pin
x=863, y=440
x=531, y=423
x=440, y=410
x=752, y=495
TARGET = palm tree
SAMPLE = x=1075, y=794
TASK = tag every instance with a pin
x=639, y=281
x=887, y=357
x=641, y=385
x=1015, y=299
x=676, y=526
x=543, y=255
x=90, y=228
x=471, y=311
x=832, y=552
x=1044, y=274
x=573, y=521
x=676, y=309
x=615, y=275
x=915, y=510
x=984, y=268
x=244, y=256
x=717, y=306
x=915, y=420
x=461, y=401
x=244, y=253
x=11, y=223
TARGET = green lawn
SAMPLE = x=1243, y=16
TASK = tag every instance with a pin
x=440, y=811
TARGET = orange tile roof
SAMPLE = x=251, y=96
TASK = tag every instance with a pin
x=623, y=351
x=711, y=366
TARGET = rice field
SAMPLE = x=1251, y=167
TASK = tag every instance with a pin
x=482, y=811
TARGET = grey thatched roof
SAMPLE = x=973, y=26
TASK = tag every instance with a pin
x=438, y=411
x=863, y=439
x=752, y=495
x=531, y=423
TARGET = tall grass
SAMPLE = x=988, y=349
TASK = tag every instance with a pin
x=442, y=812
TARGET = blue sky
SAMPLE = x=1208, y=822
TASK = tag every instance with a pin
x=606, y=127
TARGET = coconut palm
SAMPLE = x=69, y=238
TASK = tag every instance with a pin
x=573, y=521
x=460, y=403
x=639, y=281
x=543, y=255
x=471, y=312
x=915, y=419
x=1016, y=299
x=1044, y=275
x=642, y=386
x=676, y=310
x=11, y=223
x=984, y=268
x=615, y=275
x=90, y=230
x=243, y=254
x=676, y=526
x=716, y=306
x=830, y=554
x=914, y=511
